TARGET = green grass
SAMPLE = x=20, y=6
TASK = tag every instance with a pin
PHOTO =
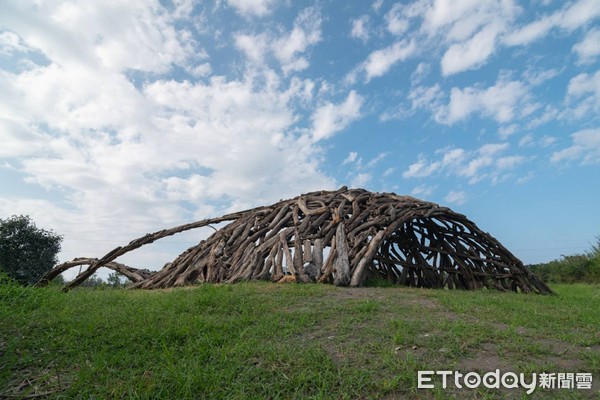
x=261, y=340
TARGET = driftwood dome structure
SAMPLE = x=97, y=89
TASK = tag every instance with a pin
x=344, y=237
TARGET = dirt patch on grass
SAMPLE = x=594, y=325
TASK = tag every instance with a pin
x=368, y=332
x=485, y=358
x=400, y=294
x=406, y=323
x=562, y=356
x=557, y=347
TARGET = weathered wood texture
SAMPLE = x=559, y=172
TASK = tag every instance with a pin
x=342, y=237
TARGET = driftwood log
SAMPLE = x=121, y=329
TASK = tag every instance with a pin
x=344, y=237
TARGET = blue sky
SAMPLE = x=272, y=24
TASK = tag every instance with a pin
x=119, y=118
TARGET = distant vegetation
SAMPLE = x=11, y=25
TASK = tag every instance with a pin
x=584, y=268
x=26, y=251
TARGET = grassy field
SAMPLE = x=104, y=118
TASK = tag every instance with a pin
x=261, y=340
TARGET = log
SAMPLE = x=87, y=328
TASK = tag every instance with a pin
x=342, y=263
x=317, y=257
x=328, y=267
x=359, y=274
x=289, y=262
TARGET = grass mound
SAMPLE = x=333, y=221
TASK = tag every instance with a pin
x=260, y=340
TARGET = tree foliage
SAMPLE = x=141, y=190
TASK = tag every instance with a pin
x=570, y=269
x=94, y=282
x=26, y=251
x=116, y=280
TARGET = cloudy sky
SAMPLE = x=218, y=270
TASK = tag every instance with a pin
x=119, y=118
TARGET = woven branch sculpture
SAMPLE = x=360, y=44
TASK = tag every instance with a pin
x=344, y=237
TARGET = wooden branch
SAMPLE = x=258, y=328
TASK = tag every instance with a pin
x=342, y=263
x=359, y=274
x=133, y=274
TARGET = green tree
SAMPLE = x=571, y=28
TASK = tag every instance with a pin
x=26, y=251
x=593, y=271
x=94, y=281
x=115, y=279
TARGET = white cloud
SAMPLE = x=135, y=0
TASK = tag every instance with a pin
x=420, y=169
x=549, y=113
x=472, y=53
x=473, y=170
x=485, y=162
x=526, y=140
x=380, y=61
x=360, y=29
x=331, y=118
x=247, y=8
x=113, y=36
x=492, y=149
x=509, y=162
x=506, y=102
x=254, y=47
x=584, y=84
x=377, y=159
x=470, y=32
x=182, y=8
x=200, y=70
x=503, y=102
x=571, y=17
x=423, y=191
x=306, y=32
x=420, y=97
x=470, y=28
x=11, y=43
x=531, y=32
x=377, y=5
x=525, y=178
x=360, y=180
x=352, y=156
x=583, y=94
x=20, y=139
x=546, y=140
x=585, y=148
x=452, y=157
x=426, y=97
x=589, y=48
x=360, y=174
x=537, y=77
x=467, y=31
x=288, y=48
x=579, y=14
x=459, y=20
x=508, y=130
x=388, y=172
x=419, y=74
x=396, y=22
x=457, y=197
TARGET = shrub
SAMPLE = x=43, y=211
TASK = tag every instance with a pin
x=571, y=269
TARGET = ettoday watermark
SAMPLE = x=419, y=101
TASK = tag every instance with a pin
x=508, y=380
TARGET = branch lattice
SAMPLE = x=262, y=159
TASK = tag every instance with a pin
x=344, y=237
